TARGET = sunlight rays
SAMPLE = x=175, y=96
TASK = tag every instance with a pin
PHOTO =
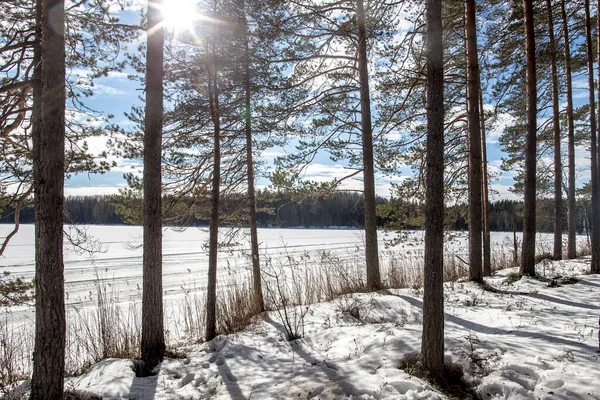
x=180, y=16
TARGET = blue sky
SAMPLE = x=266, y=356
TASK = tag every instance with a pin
x=116, y=94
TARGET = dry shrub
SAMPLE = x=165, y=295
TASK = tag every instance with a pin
x=234, y=307
x=402, y=273
x=16, y=345
x=110, y=329
x=453, y=268
x=194, y=314
x=284, y=294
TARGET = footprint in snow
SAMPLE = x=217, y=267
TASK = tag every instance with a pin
x=521, y=375
x=315, y=392
x=186, y=379
x=554, y=384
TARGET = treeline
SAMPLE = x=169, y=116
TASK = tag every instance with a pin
x=344, y=209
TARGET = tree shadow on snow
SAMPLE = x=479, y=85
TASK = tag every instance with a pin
x=144, y=388
x=474, y=326
x=330, y=369
x=588, y=283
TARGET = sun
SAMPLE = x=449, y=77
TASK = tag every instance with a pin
x=180, y=15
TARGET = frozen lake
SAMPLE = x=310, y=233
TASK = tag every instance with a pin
x=117, y=256
x=112, y=273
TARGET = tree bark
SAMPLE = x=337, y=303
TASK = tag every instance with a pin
x=593, y=144
x=49, y=166
x=473, y=118
x=213, y=241
x=528, y=250
x=596, y=266
x=256, y=275
x=571, y=204
x=557, y=138
x=371, y=250
x=487, y=243
x=432, y=345
x=153, y=338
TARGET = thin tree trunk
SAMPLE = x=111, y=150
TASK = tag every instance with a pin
x=596, y=265
x=557, y=137
x=153, y=337
x=487, y=244
x=213, y=241
x=475, y=212
x=49, y=166
x=593, y=144
x=571, y=203
x=528, y=250
x=432, y=345
x=256, y=275
x=371, y=250
x=515, y=243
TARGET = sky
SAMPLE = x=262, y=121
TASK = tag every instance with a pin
x=116, y=93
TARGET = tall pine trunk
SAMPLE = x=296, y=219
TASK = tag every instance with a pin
x=593, y=143
x=596, y=265
x=256, y=275
x=571, y=204
x=432, y=345
x=371, y=250
x=473, y=118
x=153, y=337
x=557, y=137
x=487, y=244
x=213, y=240
x=49, y=166
x=528, y=251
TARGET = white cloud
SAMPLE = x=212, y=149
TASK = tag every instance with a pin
x=106, y=90
x=503, y=193
x=501, y=122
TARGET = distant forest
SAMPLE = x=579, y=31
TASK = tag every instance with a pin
x=344, y=209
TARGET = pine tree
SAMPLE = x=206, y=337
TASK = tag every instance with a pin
x=593, y=144
x=153, y=337
x=213, y=93
x=571, y=201
x=474, y=124
x=432, y=347
x=48, y=171
x=557, y=137
x=256, y=274
x=529, y=229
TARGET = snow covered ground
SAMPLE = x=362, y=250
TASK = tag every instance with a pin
x=533, y=341
x=527, y=340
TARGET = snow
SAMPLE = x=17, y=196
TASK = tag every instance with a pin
x=525, y=340
x=521, y=341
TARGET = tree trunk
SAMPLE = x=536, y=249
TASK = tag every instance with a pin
x=256, y=275
x=593, y=144
x=371, y=251
x=213, y=241
x=49, y=167
x=475, y=224
x=487, y=244
x=596, y=265
x=557, y=137
x=432, y=346
x=515, y=243
x=571, y=203
x=153, y=337
x=528, y=250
